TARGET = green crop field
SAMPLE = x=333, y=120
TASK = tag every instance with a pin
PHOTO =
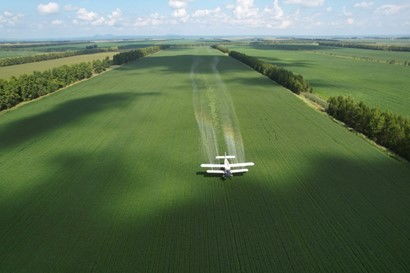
x=376, y=55
x=16, y=70
x=377, y=84
x=104, y=177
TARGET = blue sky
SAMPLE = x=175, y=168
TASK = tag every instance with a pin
x=28, y=19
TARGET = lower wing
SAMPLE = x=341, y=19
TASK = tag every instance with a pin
x=215, y=171
x=239, y=171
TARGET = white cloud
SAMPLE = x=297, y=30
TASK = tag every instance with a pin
x=245, y=8
x=276, y=11
x=329, y=9
x=49, y=8
x=180, y=13
x=346, y=12
x=178, y=4
x=114, y=17
x=86, y=15
x=90, y=17
x=153, y=20
x=247, y=15
x=206, y=12
x=306, y=3
x=179, y=7
x=364, y=4
x=284, y=24
x=8, y=18
x=56, y=22
x=70, y=8
x=350, y=21
x=391, y=9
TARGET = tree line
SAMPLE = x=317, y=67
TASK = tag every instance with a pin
x=132, y=55
x=285, y=45
x=28, y=87
x=38, y=44
x=286, y=78
x=132, y=46
x=49, y=56
x=389, y=130
x=221, y=48
x=365, y=46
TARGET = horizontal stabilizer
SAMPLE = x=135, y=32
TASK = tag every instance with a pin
x=239, y=171
x=241, y=165
x=225, y=156
x=215, y=171
x=212, y=165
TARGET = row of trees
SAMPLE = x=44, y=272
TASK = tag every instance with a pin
x=49, y=56
x=221, y=48
x=28, y=87
x=285, y=45
x=132, y=55
x=37, y=44
x=91, y=46
x=387, y=129
x=286, y=78
x=365, y=46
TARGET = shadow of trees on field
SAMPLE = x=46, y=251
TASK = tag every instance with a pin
x=320, y=83
x=180, y=63
x=285, y=63
x=71, y=111
x=339, y=216
x=254, y=82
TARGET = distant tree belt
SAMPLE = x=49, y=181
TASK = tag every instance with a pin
x=221, y=48
x=285, y=45
x=286, y=78
x=30, y=45
x=132, y=46
x=387, y=129
x=132, y=55
x=366, y=46
x=28, y=87
x=50, y=56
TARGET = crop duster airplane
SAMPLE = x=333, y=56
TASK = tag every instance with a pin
x=226, y=169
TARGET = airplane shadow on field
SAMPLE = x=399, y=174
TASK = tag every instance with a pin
x=69, y=112
x=92, y=215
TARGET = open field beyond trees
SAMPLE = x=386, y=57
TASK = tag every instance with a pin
x=377, y=84
x=104, y=176
x=17, y=70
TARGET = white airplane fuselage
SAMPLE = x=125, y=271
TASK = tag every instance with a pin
x=227, y=165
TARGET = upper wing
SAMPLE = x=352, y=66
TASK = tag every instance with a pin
x=225, y=156
x=212, y=165
x=241, y=165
